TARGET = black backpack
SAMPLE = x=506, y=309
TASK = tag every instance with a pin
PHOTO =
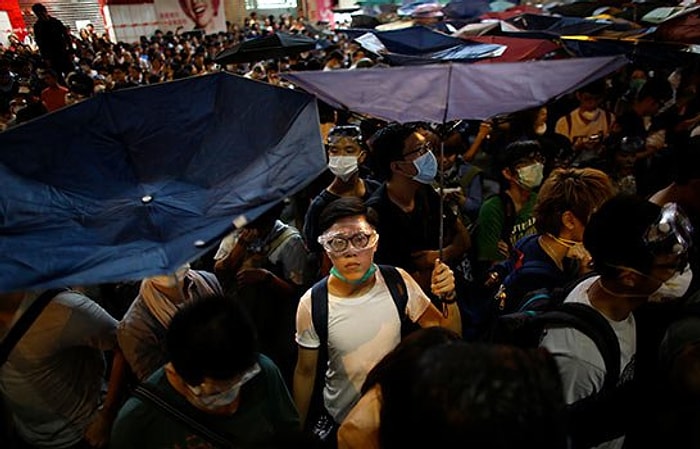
x=592, y=419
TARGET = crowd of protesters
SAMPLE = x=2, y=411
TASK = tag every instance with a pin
x=85, y=63
x=337, y=318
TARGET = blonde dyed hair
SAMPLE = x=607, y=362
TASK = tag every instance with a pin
x=579, y=190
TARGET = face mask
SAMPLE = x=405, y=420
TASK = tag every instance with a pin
x=590, y=115
x=673, y=288
x=541, y=129
x=343, y=166
x=637, y=83
x=218, y=400
x=223, y=398
x=426, y=165
x=530, y=177
x=368, y=274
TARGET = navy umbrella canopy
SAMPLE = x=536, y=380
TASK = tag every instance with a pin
x=137, y=182
x=277, y=45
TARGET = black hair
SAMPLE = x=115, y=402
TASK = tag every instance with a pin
x=657, y=88
x=517, y=152
x=614, y=235
x=211, y=337
x=387, y=146
x=595, y=88
x=477, y=395
x=344, y=208
x=390, y=371
x=38, y=8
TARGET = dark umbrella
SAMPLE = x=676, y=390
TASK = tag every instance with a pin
x=276, y=45
x=440, y=93
x=137, y=182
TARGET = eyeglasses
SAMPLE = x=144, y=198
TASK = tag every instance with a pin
x=246, y=377
x=338, y=243
x=420, y=150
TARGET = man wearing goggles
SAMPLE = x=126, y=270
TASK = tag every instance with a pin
x=640, y=252
x=216, y=376
x=346, y=153
x=363, y=321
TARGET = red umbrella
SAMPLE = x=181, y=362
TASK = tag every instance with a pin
x=518, y=49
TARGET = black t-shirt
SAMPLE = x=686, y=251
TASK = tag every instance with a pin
x=402, y=233
x=51, y=38
x=631, y=125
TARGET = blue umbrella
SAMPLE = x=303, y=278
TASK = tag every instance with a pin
x=440, y=93
x=137, y=182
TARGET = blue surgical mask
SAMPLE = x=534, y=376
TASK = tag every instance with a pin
x=368, y=274
x=426, y=165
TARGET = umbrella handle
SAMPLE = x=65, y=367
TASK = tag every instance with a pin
x=441, y=185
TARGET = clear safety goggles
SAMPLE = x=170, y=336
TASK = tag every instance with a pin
x=338, y=243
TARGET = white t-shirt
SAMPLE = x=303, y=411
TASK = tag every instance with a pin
x=580, y=363
x=361, y=331
x=53, y=379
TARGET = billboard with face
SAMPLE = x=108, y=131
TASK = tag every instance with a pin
x=189, y=15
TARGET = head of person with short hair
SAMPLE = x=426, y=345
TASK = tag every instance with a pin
x=40, y=11
x=404, y=151
x=640, y=250
x=652, y=96
x=567, y=199
x=346, y=151
x=521, y=165
x=212, y=347
x=349, y=237
x=590, y=97
x=477, y=395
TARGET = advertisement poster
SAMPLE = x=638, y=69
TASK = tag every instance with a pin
x=13, y=15
x=191, y=15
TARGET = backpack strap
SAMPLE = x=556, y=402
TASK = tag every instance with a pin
x=508, y=217
x=591, y=323
x=24, y=322
x=319, y=311
x=149, y=393
x=569, y=125
x=466, y=180
x=397, y=288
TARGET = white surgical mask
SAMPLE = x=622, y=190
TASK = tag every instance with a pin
x=343, y=166
x=541, y=129
x=673, y=288
x=223, y=398
x=530, y=176
x=426, y=166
